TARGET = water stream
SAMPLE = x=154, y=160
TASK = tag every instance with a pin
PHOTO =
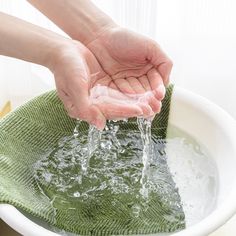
x=95, y=142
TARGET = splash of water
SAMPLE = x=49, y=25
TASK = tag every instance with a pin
x=116, y=166
x=95, y=142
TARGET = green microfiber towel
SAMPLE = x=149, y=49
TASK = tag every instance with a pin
x=34, y=128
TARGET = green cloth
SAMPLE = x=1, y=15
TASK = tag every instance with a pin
x=31, y=129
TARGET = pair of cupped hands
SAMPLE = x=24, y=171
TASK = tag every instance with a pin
x=127, y=64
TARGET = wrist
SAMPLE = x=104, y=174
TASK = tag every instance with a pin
x=97, y=29
x=54, y=52
x=80, y=19
x=25, y=41
x=62, y=50
x=87, y=22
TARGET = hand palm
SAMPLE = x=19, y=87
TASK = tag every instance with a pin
x=107, y=96
x=135, y=63
x=76, y=74
x=126, y=64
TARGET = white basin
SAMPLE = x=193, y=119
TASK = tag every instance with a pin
x=202, y=120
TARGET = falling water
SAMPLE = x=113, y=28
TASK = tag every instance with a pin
x=144, y=126
x=95, y=141
x=120, y=161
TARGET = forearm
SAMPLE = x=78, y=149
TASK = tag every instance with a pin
x=80, y=19
x=27, y=42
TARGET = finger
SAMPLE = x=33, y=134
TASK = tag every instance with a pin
x=151, y=100
x=84, y=110
x=136, y=85
x=68, y=105
x=155, y=104
x=106, y=93
x=72, y=112
x=161, y=61
x=154, y=78
x=145, y=83
x=146, y=109
x=105, y=80
x=120, y=111
x=124, y=86
x=97, y=76
x=103, y=94
x=137, y=72
x=112, y=85
x=92, y=115
x=111, y=96
x=156, y=83
x=165, y=70
x=97, y=118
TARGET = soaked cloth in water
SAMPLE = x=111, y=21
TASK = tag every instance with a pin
x=29, y=132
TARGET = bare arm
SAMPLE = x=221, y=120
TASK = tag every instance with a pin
x=70, y=62
x=28, y=42
x=66, y=58
x=134, y=63
x=85, y=22
x=80, y=19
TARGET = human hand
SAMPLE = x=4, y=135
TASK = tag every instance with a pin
x=76, y=72
x=135, y=63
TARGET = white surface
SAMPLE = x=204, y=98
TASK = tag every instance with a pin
x=21, y=224
x=204, y=121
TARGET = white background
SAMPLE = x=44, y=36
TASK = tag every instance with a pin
x=199, y=36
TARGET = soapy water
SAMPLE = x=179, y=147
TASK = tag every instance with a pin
x=83, y=165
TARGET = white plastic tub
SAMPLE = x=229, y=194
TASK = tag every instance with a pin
x=203, y=121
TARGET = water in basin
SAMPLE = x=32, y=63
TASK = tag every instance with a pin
x=194, y=172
